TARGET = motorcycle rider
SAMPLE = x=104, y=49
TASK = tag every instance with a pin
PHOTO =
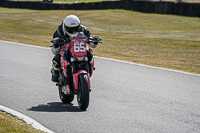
x=67, y=29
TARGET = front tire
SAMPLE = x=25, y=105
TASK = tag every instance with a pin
x=65, y=98
x=83, y=93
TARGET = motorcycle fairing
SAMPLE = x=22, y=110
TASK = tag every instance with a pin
x=75, y=78
x=64, y=63
x=92, y=66
x=78, y=48
x=65, y=46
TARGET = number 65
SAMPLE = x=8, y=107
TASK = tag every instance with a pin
x=79, y=47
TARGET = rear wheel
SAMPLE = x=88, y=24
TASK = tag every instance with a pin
x=64, y=97
x=83, y=93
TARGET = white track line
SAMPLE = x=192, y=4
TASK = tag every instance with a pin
x=160, y=68
x=24, y=44
x=25, y=118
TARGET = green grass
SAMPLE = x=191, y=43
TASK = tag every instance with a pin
x=167, y=41
x=9, y=124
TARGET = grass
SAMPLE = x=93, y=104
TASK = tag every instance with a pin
x=9, y=124
x=167, y=41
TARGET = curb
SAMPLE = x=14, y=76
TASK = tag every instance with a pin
x=26, y=119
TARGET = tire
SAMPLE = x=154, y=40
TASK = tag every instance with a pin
x=83, y=93
x=65, y=98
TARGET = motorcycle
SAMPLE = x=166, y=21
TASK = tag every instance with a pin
x=77, y=65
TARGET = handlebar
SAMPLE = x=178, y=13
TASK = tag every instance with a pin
x=93, y=40
x=62, y=41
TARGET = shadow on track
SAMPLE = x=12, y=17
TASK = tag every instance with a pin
x=55, y=107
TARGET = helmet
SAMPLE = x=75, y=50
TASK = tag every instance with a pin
x=71, y=24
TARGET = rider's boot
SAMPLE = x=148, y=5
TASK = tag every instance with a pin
x=55, y=71
x=55, y=75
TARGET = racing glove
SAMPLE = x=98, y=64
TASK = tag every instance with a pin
x=56, y=42
x=96, y=40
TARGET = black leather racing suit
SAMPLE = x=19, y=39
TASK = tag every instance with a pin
x=60, y=33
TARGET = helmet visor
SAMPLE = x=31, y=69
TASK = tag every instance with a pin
x=72, y=29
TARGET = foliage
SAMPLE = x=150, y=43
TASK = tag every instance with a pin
x=9, y=124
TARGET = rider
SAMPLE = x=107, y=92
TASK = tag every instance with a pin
x=69, y=25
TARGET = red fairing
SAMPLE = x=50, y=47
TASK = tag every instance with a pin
x=64, y=63
x=65, y=47
x=78, y=47
x=75, y=77
x=92, y=64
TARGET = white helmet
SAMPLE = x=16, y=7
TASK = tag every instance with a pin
x=71, y=24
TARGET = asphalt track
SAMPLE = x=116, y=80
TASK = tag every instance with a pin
x=125, y=97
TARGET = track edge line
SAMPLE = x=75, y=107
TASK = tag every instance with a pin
x=26, y=119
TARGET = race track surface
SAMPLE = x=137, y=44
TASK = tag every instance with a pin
x=125, y=97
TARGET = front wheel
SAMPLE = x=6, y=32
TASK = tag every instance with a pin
x=83, y=93
x=64, y=97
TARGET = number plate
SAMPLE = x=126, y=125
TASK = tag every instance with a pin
x=78, y=47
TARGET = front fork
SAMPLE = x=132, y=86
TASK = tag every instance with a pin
x=76, y=79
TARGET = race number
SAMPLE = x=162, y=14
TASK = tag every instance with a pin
x=79, y=47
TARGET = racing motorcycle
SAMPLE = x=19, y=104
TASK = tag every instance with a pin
x=77, y=65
